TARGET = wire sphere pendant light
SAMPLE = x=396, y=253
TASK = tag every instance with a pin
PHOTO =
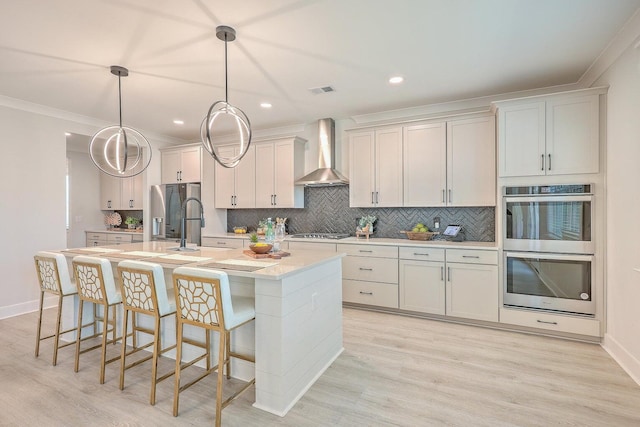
x=118, y=150
x=220, y=109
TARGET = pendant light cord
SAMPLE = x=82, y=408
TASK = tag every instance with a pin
x=120, y=99
x=226, y=83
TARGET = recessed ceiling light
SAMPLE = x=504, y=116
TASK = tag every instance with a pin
x=178, y=122
x=265, y=105
x=67, y=134
x=396, y=80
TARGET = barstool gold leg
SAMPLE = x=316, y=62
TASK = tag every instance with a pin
x=228, y=352
x=221, y=356
x=56, y=339
x=38, y=333
x=79, y=334
x=123, y=353
x=105, y=333
x=176, y=387
x=154, y=361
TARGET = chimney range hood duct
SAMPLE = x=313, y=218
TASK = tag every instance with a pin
x=325, y=175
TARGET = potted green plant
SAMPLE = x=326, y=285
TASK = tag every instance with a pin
x=131, y=222
x=365, y=223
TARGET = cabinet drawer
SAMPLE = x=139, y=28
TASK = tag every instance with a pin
x=222, y=242
x=370, y=269
x=118, y=238
x=378, y=294
x=369, y=250
x=471, y=256
x=97, y=236
x=316, y=246
x=421, y=254
x=551, y=322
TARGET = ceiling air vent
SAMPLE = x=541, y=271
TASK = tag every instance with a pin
x=323, y=89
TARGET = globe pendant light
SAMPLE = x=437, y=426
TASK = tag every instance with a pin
x=220, y=109
x=117, y=150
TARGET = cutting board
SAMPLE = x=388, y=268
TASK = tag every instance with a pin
x=276, y=255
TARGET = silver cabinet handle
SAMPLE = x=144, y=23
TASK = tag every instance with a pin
x=541, y=162
x=448, y=274
x=366, y=293
x=221, y=243
x=442, y=273
x=450, y=196
x=109, y=204
x=365, y=251
x=372, y=202
x=549, y=162
x=548, y=323
x=419, y=254
x=377, y=200
x=442, y=195
x=471, y=256
x=275, y=200
x=366, y=269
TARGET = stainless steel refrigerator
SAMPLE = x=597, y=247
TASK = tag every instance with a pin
x=166, y=212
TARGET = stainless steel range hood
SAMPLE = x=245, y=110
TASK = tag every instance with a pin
x=325, y=175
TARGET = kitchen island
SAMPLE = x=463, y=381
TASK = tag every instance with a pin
x=298, y=299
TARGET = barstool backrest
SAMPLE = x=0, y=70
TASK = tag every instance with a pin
x=95, y=280
x=143, y=286
x=203, y=296
x=53, y=273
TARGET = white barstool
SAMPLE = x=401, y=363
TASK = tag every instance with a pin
x=144, y=292
x=53, y=275
x=96, y=284
x=204, y=300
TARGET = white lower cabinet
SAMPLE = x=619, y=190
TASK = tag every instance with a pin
x=223, y=242
x=96, y=239
x=459, y=283
x=370, y=274
x=551, y=321
x=472, y=291
x=311, y=246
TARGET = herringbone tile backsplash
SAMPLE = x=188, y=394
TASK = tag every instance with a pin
x=327, y=211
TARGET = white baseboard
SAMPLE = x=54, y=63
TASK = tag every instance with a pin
x=26, y=307
x=626, y=360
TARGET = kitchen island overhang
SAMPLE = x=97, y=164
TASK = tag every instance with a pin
x=298, y=301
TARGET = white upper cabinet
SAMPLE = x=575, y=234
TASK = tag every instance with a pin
x=375, y=164
x=471, y=162
x=235, y=187
x=181, y=165
x=450, y=164
x=280, y=163
x=121, y=193
x=425, y=164
x=551, y=135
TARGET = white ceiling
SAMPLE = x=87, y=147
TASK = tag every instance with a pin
x=58, y=53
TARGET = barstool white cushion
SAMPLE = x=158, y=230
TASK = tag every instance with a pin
x=91, y=279
x=236, y=310
x=66, y=285
x=166, y=302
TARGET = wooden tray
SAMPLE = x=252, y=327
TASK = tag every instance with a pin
x=425, y=235
x=276, y=255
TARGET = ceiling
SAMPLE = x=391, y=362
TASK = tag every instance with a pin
x=58, y=54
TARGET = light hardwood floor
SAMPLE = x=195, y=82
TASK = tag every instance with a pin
x=395, y=371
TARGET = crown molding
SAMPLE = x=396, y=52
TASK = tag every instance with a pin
x=628, y=35
x=19, y=104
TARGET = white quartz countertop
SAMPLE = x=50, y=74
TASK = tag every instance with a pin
x=381, y=241
x=162, y=253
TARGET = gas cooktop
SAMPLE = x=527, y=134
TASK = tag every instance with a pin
x=320, y=235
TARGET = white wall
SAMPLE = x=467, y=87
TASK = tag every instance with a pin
x=32, y=214
x=84, y=179
x=622, y=338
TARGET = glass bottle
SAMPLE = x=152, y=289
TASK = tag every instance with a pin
x=269, y=233
x=279, y=236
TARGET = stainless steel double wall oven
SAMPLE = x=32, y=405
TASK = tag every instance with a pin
x=549, y=259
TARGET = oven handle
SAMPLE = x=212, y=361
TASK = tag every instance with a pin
x=549, y=198
x=548, y=255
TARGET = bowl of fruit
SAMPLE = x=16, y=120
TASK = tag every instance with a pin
x=420, y=232
x=258, y=247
